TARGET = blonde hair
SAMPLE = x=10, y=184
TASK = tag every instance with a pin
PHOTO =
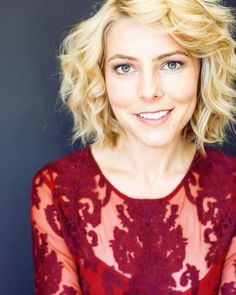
x=204, y=28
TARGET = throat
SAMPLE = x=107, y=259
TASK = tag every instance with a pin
x=144, y=181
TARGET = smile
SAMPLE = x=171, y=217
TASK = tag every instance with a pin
x=154, y=118
x=154, y=115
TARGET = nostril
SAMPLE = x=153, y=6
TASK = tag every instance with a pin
x=150, y=91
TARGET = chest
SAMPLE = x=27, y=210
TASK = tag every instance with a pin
x=160, y=242
x=141, y=187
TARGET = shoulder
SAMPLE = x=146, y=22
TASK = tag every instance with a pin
x=216, y=174
x=217, y=161
x=74, y=159
x=73, y=165
x=66, y=179
x=220, y=156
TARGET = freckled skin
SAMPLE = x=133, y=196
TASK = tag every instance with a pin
x=148, y=83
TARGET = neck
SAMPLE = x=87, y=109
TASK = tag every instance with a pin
x=150, y=163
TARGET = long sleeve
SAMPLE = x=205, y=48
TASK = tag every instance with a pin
x=228, y=277
x=55, y=269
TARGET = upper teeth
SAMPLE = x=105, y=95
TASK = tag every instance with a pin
x=154, y=116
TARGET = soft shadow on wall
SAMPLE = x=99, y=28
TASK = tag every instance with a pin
x=33, y=129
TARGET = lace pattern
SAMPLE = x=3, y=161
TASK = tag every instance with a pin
x=90, y=239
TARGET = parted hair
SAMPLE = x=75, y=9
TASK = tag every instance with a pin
x=203, y=27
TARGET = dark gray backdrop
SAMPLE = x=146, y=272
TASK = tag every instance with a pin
x=33, y=131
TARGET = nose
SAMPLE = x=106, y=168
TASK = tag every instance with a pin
x=150, y=86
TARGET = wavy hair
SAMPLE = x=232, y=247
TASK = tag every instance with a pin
x=203, y=27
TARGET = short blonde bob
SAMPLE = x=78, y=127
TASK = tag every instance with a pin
x=203, y=27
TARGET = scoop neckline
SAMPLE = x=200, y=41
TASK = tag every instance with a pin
x=156, y=199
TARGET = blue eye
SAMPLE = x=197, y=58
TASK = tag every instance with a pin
x=124, y=69
x=173, y=65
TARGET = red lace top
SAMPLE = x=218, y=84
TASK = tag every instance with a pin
x=89, y=238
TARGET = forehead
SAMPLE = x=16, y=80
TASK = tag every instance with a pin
x=127, y=36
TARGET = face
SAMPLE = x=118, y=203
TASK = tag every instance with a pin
x=151, y=83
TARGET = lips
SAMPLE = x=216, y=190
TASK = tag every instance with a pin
x=154, y=115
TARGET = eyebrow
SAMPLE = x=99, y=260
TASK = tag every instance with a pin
x=159, y=57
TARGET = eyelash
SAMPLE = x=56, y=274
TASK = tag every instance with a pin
x=180, y=63
x=121, y=65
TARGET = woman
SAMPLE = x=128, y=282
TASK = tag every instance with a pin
x=145, y=208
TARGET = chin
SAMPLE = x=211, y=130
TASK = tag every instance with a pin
x=155, y=143
x=152, y=139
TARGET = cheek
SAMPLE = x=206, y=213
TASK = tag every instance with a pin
x=183, y=90
x=119, y=95
x=184, y=94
